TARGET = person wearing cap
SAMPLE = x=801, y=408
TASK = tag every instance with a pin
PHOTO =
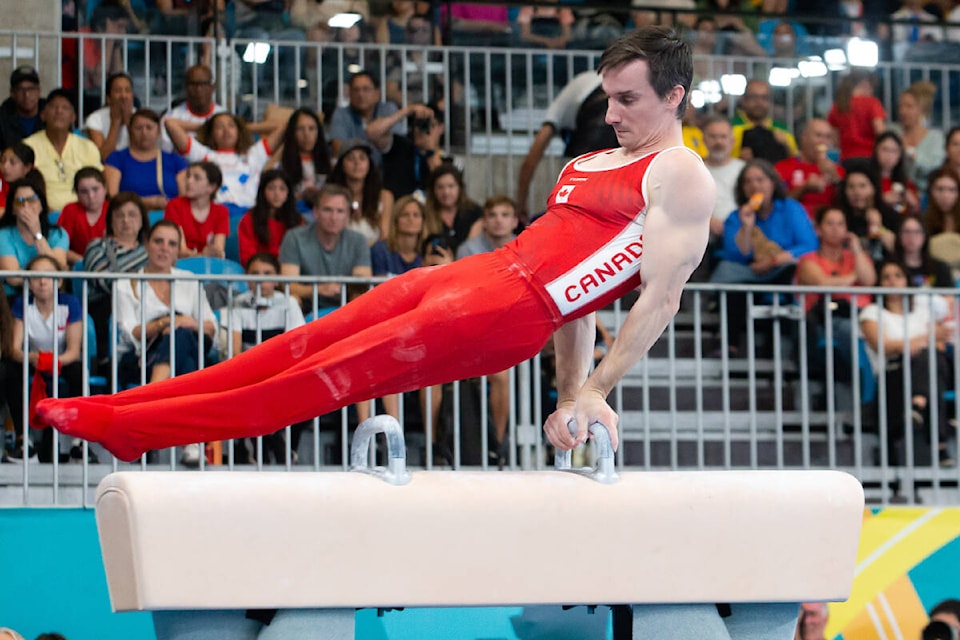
x=60, y=153
x=20, y=113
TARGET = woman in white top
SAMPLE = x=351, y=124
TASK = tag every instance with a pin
x=372, y=204
x=107, y=127
x=904, y=323
x=171, y=314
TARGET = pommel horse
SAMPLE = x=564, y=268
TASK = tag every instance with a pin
x=320, y=545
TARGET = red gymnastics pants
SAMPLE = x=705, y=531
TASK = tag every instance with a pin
x=431, y=325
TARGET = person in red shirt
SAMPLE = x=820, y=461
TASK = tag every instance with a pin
x=889, y=171
x=812, y=176
x=86, y=218
x=205, y=224
x=261, y=229
x=857, y=115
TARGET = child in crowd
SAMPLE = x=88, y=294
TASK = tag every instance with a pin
x=258, y=315
x=857, y=115
x=889, y=169
x=51, y=321
x=261, y=229
x=204, y=224
x=15, y=163
x=86, y=218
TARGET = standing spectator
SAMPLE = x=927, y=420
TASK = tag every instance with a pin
x=755, y=133
x=923, y=146
x=20, y=113
x=718, y=138
x=499, y=227
x=199, y=105
x=143, y=167
x=51, y=321
x=262, y=228
x=349, y=123
x=16, y=162
x=370, y=204
x=857, y=115
x=25, y=231
x=107, y=127
x=812, y=176
x=451, y=215
x=204, y=224
x=86, y=218
x=60, y=153
x=912, y=251
x=400, y=251
x=325, y=248
x=121, y=249
x=577, y=114
x=306, y=156
x=868, y=216
x=762, y=240
x=888, y=166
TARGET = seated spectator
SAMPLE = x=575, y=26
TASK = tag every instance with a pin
x=107, y=127
x=269, y=21
x=370, y=205
x=16, y=162
x=840, y=261
x=120, y=250
x=393, y=29
x=718, y=138
x=868, y=216
x=256, y=316
x=51, y=321
x=314, y=17
x=411, y=159
x=478, y=25
x=20, y=113
x=199, y=105
x=349, y=123
x=755, y=133
x=226, y=141
x=305, y=157
x=412, y=75
x=888, y=166
x=451, y=217
x=325, y=248
x=911, y=251
x=761, y=241
x=204, y=224
x=499, y=224
x=904, y=36
x=812, y=622
x=923, y=146
x=545, y=26
x=261, y=229
x=400, y=250
x=952, y=148
x=86, y=218
x=151, y=300
x=60, y=153
x=908, y=338
x=857, y=116
x=27, y=232
x=143, y=168
x=736, y=33
x=942, y=217
x=104, y=57
x=812, y=176
x=666, y=17
x=783, y=38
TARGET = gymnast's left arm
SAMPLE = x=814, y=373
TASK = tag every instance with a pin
x=677, y=226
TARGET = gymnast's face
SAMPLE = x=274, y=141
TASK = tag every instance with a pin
x=332, y=213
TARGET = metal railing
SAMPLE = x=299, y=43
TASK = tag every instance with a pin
x=688, y=405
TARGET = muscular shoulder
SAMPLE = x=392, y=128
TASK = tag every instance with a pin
x=680, y=183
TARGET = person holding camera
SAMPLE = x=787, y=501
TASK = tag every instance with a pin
x=451, y=217
x=411, y=160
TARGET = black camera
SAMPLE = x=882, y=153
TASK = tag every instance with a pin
x=937, y=630
x=434, y=243
x=424, y=125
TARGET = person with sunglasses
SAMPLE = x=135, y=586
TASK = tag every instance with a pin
x=28, y=232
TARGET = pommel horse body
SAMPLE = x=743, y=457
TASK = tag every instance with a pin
x=323, y=544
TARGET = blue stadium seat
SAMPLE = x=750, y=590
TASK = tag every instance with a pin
x=203, y=265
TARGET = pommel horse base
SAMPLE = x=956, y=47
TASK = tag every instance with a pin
x=329, y=543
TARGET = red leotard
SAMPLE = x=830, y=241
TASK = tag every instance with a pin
x=472, y=317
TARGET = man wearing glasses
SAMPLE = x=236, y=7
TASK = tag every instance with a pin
x=20, y=113
x=60, y=153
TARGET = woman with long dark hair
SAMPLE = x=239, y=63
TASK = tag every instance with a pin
x=372, y=205
x=305, y=157
x=889, y=169
x=261, y=229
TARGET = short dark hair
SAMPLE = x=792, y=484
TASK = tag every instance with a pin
x=951, y=606
x=147, y=114
x=24, y=152
x=365, y=74
x=88, y=172
x=263, y=256
x=211, y=170
x=170, y=224
x=122, y=198
x=66, y=94
x=118, y=75
x=669, y=60
x=329, y=190
x=779, y=191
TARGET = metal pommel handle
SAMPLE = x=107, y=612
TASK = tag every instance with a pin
x=396, y=471
x=605, y=472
